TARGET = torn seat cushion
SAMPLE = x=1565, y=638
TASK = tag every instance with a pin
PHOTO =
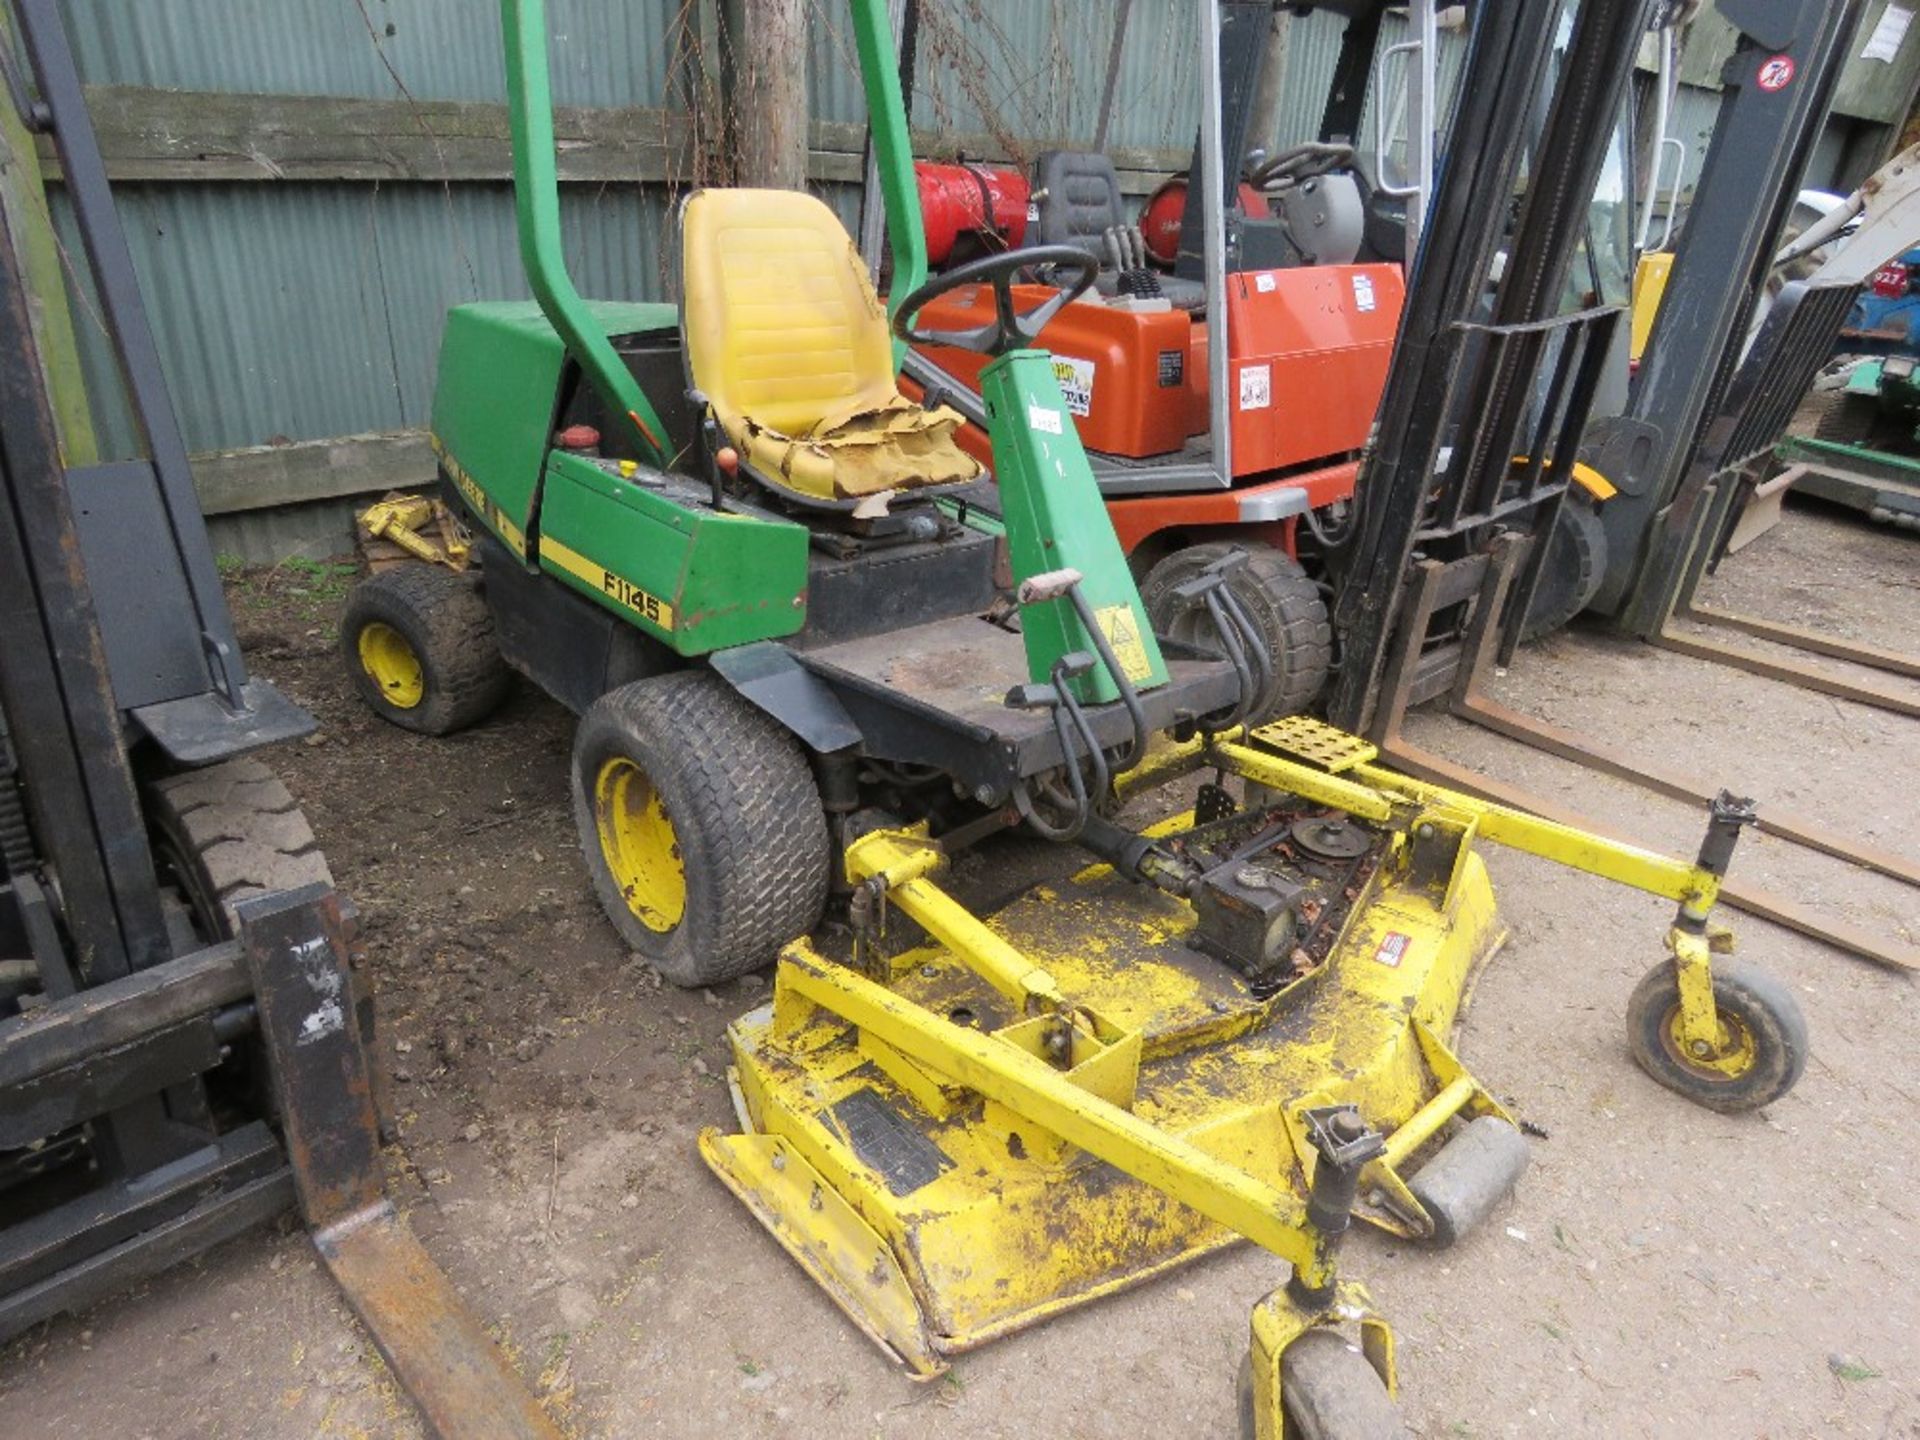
x=790, y=344
x=896, y=446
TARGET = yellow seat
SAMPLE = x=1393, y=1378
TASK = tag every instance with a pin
x=790, y=344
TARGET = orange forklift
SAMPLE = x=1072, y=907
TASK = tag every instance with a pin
x=1255, y=445
x=1306, y=252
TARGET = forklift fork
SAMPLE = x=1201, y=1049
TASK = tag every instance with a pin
x=296, y=952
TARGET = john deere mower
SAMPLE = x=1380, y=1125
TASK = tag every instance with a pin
x=811, y=667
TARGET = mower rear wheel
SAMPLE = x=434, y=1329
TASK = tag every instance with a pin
x=1762, y=1045
x=418, y=641
x=701, y=825
x=1329, y=1391
x=1285, y=605
x=1844, y=418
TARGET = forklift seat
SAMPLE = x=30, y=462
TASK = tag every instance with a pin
x=787, y=339
x=1077, y=197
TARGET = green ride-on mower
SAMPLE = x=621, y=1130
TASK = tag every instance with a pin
x=816, y=654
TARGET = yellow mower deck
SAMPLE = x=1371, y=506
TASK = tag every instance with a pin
x=1029, y=1112
x=939, y=1220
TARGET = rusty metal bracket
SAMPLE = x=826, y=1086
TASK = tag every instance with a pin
x=296, y=950
x=1466, y=701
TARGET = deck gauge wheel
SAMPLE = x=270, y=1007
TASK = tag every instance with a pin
x=1762, y=1046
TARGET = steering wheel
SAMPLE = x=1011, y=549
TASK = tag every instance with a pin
x=1302, y=162
x=1007, y=330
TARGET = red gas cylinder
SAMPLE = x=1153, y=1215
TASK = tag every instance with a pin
x=988, y=202
x=1160, y=217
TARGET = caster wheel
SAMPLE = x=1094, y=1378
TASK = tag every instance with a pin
x=1763, y=1038
x=1473, y=1172
x=1329, y=1390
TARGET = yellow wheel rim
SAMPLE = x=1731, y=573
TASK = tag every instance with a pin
x=391, y=664
x=1733, y=1056
x=639, y=844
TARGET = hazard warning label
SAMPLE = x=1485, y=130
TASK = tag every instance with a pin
x=1117, y=623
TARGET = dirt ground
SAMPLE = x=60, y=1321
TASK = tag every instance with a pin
x=1661, y=1271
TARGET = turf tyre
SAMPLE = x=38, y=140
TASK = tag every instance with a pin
x=745, y=812
x=443, y=618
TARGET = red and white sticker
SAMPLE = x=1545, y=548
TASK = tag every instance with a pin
x=1776, y=73
x=1392, y=949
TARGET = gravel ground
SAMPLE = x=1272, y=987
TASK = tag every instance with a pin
x=1661, y=1271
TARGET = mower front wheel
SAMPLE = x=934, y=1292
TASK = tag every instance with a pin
x=1329, y=1390
x=1762, y=1045
x=1285, y=605
x=701, y=825
x=418, y=641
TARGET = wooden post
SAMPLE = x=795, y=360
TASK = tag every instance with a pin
x=769, y=91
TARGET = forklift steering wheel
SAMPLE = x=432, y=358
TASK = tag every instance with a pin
x=1302, y=162
x=1007, y=330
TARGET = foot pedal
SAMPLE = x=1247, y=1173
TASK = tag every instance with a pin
x=1317, y=743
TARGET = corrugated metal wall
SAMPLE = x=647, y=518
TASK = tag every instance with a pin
x=304, y=311
x=308, y=310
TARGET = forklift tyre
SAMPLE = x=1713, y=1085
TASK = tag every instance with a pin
x=1573, y=571
x=227, y=833
x=1473, y=1172
x=1284, y=603
x=701, y=825
x=418, y=642
x=1329, y=1390
x=1764, y=1038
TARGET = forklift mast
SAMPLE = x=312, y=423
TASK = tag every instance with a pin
x=1779, y=84
x=175, y=667
x=1480, y=422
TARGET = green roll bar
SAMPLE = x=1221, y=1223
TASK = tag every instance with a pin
x=536, y=203
x=536, y=193
x=892, y=153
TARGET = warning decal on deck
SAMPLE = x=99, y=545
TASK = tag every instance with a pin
x=1393, y=946
x=1117, y=623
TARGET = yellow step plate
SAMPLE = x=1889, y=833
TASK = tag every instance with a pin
x=1300, y=738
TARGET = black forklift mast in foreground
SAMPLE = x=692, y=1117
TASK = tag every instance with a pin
x=1481, y=421
x=181, y=1052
